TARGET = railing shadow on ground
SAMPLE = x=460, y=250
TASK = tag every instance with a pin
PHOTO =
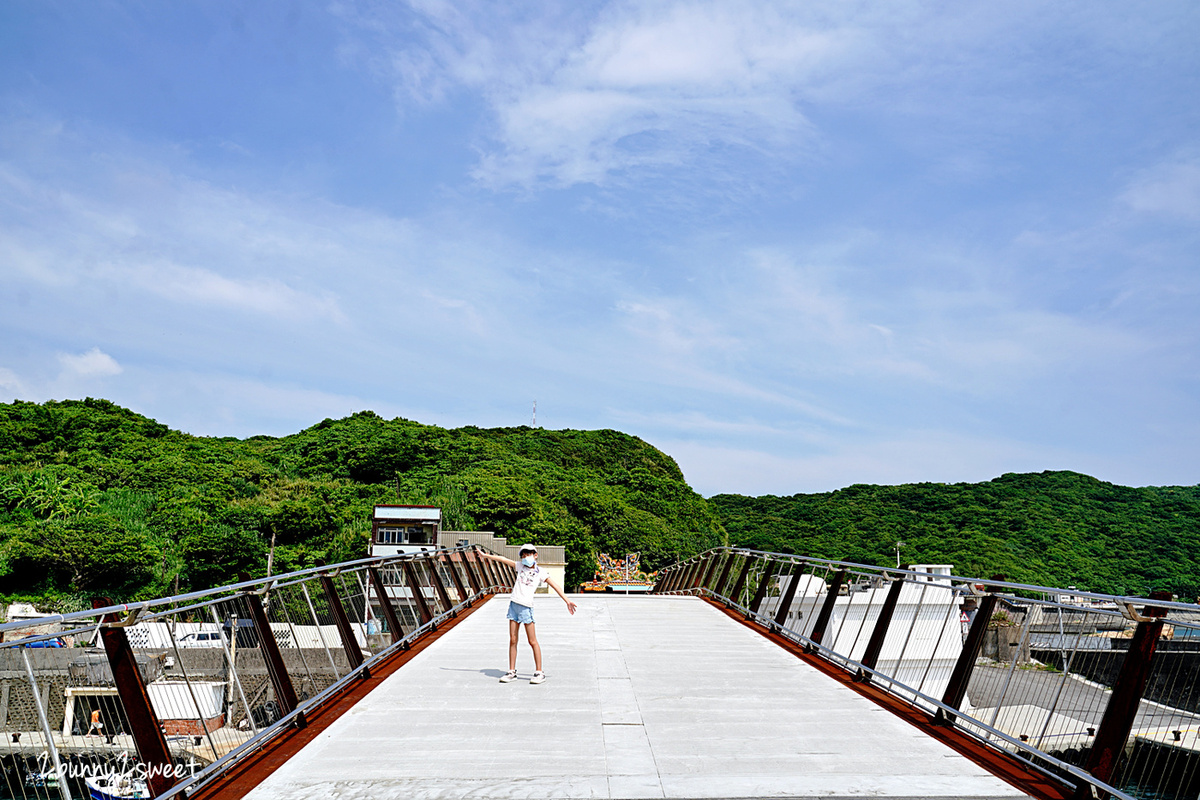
x=164, y=696
x=1062, y=682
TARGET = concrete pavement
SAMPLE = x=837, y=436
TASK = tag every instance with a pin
x=647, y=697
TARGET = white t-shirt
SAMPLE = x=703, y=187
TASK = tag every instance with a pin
x=528, y=580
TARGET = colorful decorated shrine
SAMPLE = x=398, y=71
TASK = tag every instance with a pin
x=620, y=575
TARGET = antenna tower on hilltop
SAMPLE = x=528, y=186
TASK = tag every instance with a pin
x=535, y=413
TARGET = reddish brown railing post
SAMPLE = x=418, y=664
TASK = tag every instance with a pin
x=418, y=594
x=677, y=580
x=789, y=595
x=143, y=722
x=659, y=580
x=875, y=646
x=956, y=689
x=485, y=568
x=741, y=581
x=685, y=578
x=469, y=568
x=385, y=605
x=439, y=587
x=697, y=572
x=1126, y=694
x=710, y=568
x=454, y=576
x=724, y=578
x=818, y=631
x=763, y=585
x=281, y=682
x=349, y=642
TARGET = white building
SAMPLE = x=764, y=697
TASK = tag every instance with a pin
x=925, y=636
x=399, y=529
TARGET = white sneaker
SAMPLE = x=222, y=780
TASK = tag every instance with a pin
x=538, y=677
x=509, y=676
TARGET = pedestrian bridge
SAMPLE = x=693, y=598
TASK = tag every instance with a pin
x=645, y=697
x=741, y=675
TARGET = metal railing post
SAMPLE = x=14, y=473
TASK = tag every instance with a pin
x=51, y=748
x=436, y=579
x=469, y=568
x=485, y=568
x=696, y=572
x=385, y=605
x=681, y=580
x=763, y=584
x=281, y=682
x=709, y=569
x=818, y=631
x=789, y=595
x=144, y=724
x=956, y=689
x=724, y=578
x=741, y=581
x=410, y=575
x=677, y=579
x=1126, y=695
x=660, y=582
x=456, y=578
x=875, y=645
x=349, y=642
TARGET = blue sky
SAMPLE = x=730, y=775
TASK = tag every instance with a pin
x=795, y=245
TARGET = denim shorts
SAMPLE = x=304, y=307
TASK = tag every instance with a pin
x=520, y=613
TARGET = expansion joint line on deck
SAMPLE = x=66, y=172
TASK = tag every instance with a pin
x=252, y=770
x=1003, y=765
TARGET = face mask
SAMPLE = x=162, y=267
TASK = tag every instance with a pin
x=529, y=561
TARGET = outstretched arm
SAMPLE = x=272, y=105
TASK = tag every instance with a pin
x=494, y=557
x=558, y=589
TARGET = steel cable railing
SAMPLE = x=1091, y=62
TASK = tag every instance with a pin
x=162, y=696
x=1098, y=692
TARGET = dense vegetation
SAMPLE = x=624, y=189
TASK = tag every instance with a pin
x=1053, y=528
x=95, y=499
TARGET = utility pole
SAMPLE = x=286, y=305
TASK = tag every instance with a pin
x=898, y=546
x=535, y=413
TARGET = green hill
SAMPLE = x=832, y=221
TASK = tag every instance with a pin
x=1052, y=528
x=95, y=499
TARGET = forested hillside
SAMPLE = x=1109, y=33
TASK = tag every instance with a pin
x=1053, y=528
x=95, y=499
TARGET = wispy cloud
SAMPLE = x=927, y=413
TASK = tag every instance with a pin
x=92, y=364
x=1171, y=188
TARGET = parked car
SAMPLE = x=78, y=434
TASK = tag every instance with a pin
x=55, y=642
x=200, y=639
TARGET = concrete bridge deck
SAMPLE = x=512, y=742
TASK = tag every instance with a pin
x=647, y=697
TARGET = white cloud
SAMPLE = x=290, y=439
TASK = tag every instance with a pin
x=203, y=287
x=92, y=364
x=1171, y=189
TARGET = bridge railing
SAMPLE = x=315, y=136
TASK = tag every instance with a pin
x=162, y=696
x=1098, y=692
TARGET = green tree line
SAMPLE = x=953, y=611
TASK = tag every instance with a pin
x=96, y=499
x=1051, y=528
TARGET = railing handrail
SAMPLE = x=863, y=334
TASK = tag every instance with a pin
x=1119, y=600
x=215, y=594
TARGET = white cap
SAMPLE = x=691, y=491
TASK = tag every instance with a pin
x=527, y=548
